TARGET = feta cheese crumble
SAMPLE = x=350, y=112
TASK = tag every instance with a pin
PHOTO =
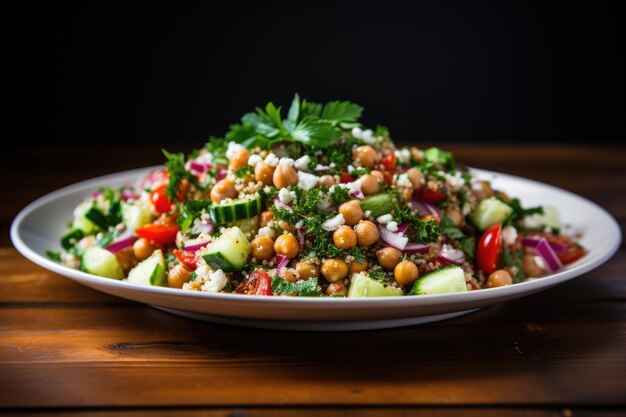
x=254, y=159
x=303, y=163
x=509, y=235
x=233, y=148
x=271, y=160
x=333, y=223
x=307, y=181
x=384, y=219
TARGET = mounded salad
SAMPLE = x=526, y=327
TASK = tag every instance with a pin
x=311, y=203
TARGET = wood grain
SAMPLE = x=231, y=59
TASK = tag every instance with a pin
x=560, y=352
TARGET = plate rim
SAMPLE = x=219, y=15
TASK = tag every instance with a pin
x=430, y=299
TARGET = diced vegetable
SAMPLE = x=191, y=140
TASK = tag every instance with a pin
x=101, y=262
x=229, y=252
x=490, y=211
x=237, y=210
x=80, y=221
x=150, y=271
x=134, y=216
x=361, y=285
x=378, y=204
x=447, y=279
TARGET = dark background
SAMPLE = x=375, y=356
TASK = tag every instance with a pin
x=450, y=71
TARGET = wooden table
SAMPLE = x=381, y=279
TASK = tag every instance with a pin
x=70, y=349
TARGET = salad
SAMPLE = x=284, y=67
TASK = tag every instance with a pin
x=312, y=203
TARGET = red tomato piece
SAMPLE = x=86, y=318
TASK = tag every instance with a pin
x=162, y=234
x=489, y=249
x=186, y=258
x=573, y=253
x=346, y=178
x=160, y=200
x=257, y=283
x=390, y=161
x=430, y=195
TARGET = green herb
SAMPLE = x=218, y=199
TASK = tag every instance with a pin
x=468, y=246
x=358, y=253
x=243, y=171
x=107, y=238
x=189, y=212
x=71, y=238
x=359, y=172
x=308, y=288
x=381, y=131
x=377, y=275
x=439, y=156
x=170, y=258
x=176, y=167
x=217, y=146
x=424, y=231
x=193, y=276
x=339, y=195
x=446, y=224
x=518, y=211
x=508, y=259
x=55, y=256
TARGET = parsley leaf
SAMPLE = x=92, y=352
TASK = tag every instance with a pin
x=308, y=288
x=425, y=231
x=189, y=212
x=341, y=111
x=448, y=228
x=468, y=246
x=176, y=167
x=508, y=259
x=339, y=195
x=243, y=171
x=439, y=156
x=55, y=256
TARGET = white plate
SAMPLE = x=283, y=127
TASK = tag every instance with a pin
x=38, y=227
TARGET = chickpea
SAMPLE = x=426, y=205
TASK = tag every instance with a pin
x=499, y=278
x=365, y=156
x=351, y=211
x=327, y=180
x=366, y=233
x=178, y=276
x=531, y=269
x=223, y=189
x=239, y=160
x=430, y=217
x=284, y=176
x=307, y=269
x=358, y=266
x=142, y=249
x=289, y=274
x=344, y=237
x=416, y=177
x=370, y=184
x=378, y=175
x=266, y=217
x=288, y=227
x=262, y=248
x=456, y=216
x=126, y=259
x=287, y=245
x=389, y=257
x=264, y=173
x=405, y=273
x=416, y=155
x=337, y=289
x=334, y=270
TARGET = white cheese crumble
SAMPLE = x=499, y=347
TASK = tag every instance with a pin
x=384, y=219
x=392, y=226
x=254, y=159
x=540, y=262
x=215, y=281
x=306, y=181
x=354, y=188
x=366, y=135
x=267, y=232
x=456, y=181
x=534, y=221
x=303, y=163
x=286, y=196
x=450, y=252
x=233, y=148
x=271, y=160
x=334, y=222
x=403, y=155
x=286, y=161
x=367, y=213
x=509, y=235
x=403, y=180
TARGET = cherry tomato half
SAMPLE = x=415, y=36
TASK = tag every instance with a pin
x=346, y=178
x=572, y=254
x=160, y=200
x=430, y=195
x=489, y=249
x=390, y=161
x=186, y=258
x=257, y=283
x=163, y=234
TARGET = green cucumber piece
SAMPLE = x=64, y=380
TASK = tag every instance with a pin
x=444, y=280
x=71, y=238
x=97, y=217
x=101, y=262
x=551, y=217
x=80, y=221
x=442, y=157
x=237, y=210
x=361, y=285
x=378, y=204
x=134, y=216
x=490, y=211
x=229, y=252
x=151, y=271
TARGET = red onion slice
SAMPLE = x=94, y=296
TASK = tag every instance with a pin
x=541, y=247
x=413, y=248
x=396, y=240
x=424, y=209
x=198, y=167
x=281, y=262
x=123, y=242
x=129, y=194
x=402, y=228
x=195, y=244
